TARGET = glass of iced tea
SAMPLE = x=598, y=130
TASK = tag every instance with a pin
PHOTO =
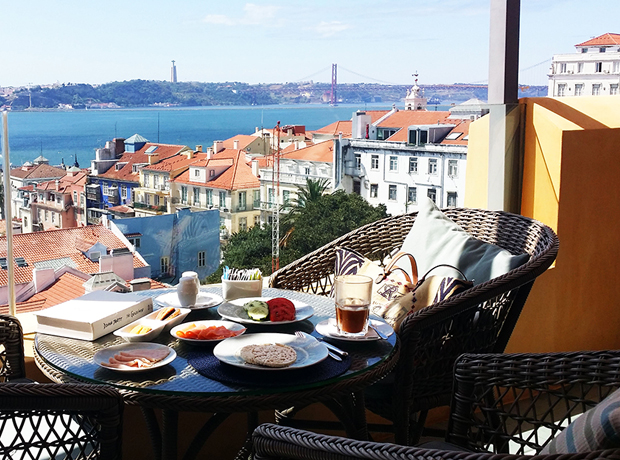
x=353, y=296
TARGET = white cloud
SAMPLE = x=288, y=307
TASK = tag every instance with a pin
x=328, y=29
x=256, y=15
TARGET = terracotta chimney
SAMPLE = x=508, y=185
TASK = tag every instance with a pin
x=236, y=144
x=209, y=153
x=218, y=146
x=199, y=148
x=255, y=168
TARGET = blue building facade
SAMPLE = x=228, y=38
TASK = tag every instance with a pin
x=174, y=243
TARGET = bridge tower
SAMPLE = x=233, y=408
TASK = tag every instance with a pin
x=333, y=100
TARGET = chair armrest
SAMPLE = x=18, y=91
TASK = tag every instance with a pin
x=12, y=337
x=518, y=402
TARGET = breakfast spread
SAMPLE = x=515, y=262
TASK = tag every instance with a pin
x=202, y=332
x=166, y=313
x=139, y=358
x=140, y=329
x=269, y=355
x=274, y=310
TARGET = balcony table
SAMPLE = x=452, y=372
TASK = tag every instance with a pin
x=178, y=387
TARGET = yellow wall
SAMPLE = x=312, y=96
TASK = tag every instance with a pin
x=572, y=183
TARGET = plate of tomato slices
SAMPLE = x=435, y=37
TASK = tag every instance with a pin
x=208, y=331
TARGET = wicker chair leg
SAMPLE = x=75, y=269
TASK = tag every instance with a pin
x=154, y=433
x=170, y=426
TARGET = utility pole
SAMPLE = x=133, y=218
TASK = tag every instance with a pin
x=275, y=224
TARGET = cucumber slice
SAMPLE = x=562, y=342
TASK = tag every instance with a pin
x=258, y=312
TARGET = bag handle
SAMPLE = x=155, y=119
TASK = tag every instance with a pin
x=413, y=279
x=444, y=265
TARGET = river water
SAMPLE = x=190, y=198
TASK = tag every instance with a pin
x=65, y=135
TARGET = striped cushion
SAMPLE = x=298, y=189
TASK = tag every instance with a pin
x=596, y=429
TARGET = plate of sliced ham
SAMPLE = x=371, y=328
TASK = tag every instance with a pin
x=134, y=357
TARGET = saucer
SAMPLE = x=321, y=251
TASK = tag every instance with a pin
x=327, y=328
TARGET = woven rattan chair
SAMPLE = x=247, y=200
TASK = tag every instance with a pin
x=53, y=421
x=505, y=406
x=479, y=320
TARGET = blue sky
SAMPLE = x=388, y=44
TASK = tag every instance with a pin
x=446, y=41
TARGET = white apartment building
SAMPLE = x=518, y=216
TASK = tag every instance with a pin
x=593, y=70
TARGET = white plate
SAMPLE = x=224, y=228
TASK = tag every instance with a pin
x=327, y=328
x=204, y=300
x=107, y=353
x=233, y=310
x=208, y=323
x=309, y=350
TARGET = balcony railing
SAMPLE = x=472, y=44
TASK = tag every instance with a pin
x=149, y=207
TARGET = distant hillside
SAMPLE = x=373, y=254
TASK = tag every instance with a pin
x=145, y=93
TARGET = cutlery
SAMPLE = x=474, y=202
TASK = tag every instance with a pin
x=379, y=333
x=330, y=347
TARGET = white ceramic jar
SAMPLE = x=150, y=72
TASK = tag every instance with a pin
x=187, y=290
x=193, y=275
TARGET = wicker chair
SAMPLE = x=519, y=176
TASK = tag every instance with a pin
x=43, y=421
x=505, y=406
x=479, y=320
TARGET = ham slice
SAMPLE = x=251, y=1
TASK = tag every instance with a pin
x=140, y=358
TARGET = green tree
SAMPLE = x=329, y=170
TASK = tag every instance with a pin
x=326, y=219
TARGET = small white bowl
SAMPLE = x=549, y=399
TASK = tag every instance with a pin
x=168, y=323
x=156, y=328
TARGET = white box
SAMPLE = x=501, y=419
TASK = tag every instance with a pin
x=93, y=315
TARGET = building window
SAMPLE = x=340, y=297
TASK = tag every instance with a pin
x=412, y=195
x=106, y=188
x=148, y=199
x=242, y=201
x=256, y=219
x=598, y=67
x=146, y=181
x=46, y=215
x=358, y=161
x=243, y=224
x=578, y=89
x=270, y=195
x=616, y=67
x=286, y=197
x=197, y=172
x=156, y=200
x=183, y=194
x=307, y=171
x=596, y=89
x=124, y=192
x=155, y=180
x=53, y=217
x=202, y=258
x=432, y=166
x=613, y=89
x=563, y=67
x=413, y=165
x=580, y=67
x=452, y=199
x=374, y=162
x=392, y=193
x=25, y=222
x=374, y=190
x=453, y=168
x=432, y=194
x=394, y=164
x=135, y=242
x=561, y=90
x=196, y=193
x=222, y=200
x=584, y=50
x=164, y=265
x=75, y=198
x=601, y=50
x=256, y=199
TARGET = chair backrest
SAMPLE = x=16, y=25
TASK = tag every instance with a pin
x=49, y=421
x=516, y=403
x=480, y=319
x=12, y=364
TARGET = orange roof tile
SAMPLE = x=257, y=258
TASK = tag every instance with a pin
x=603, y=40
x=337, y=127
x=406, y=118
x=238, y=176
x=42, y=171
x=126, y=172
x=323, y=151
x=244, y=141
x=175, y=162
x=463, y=128
x=59, y=244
